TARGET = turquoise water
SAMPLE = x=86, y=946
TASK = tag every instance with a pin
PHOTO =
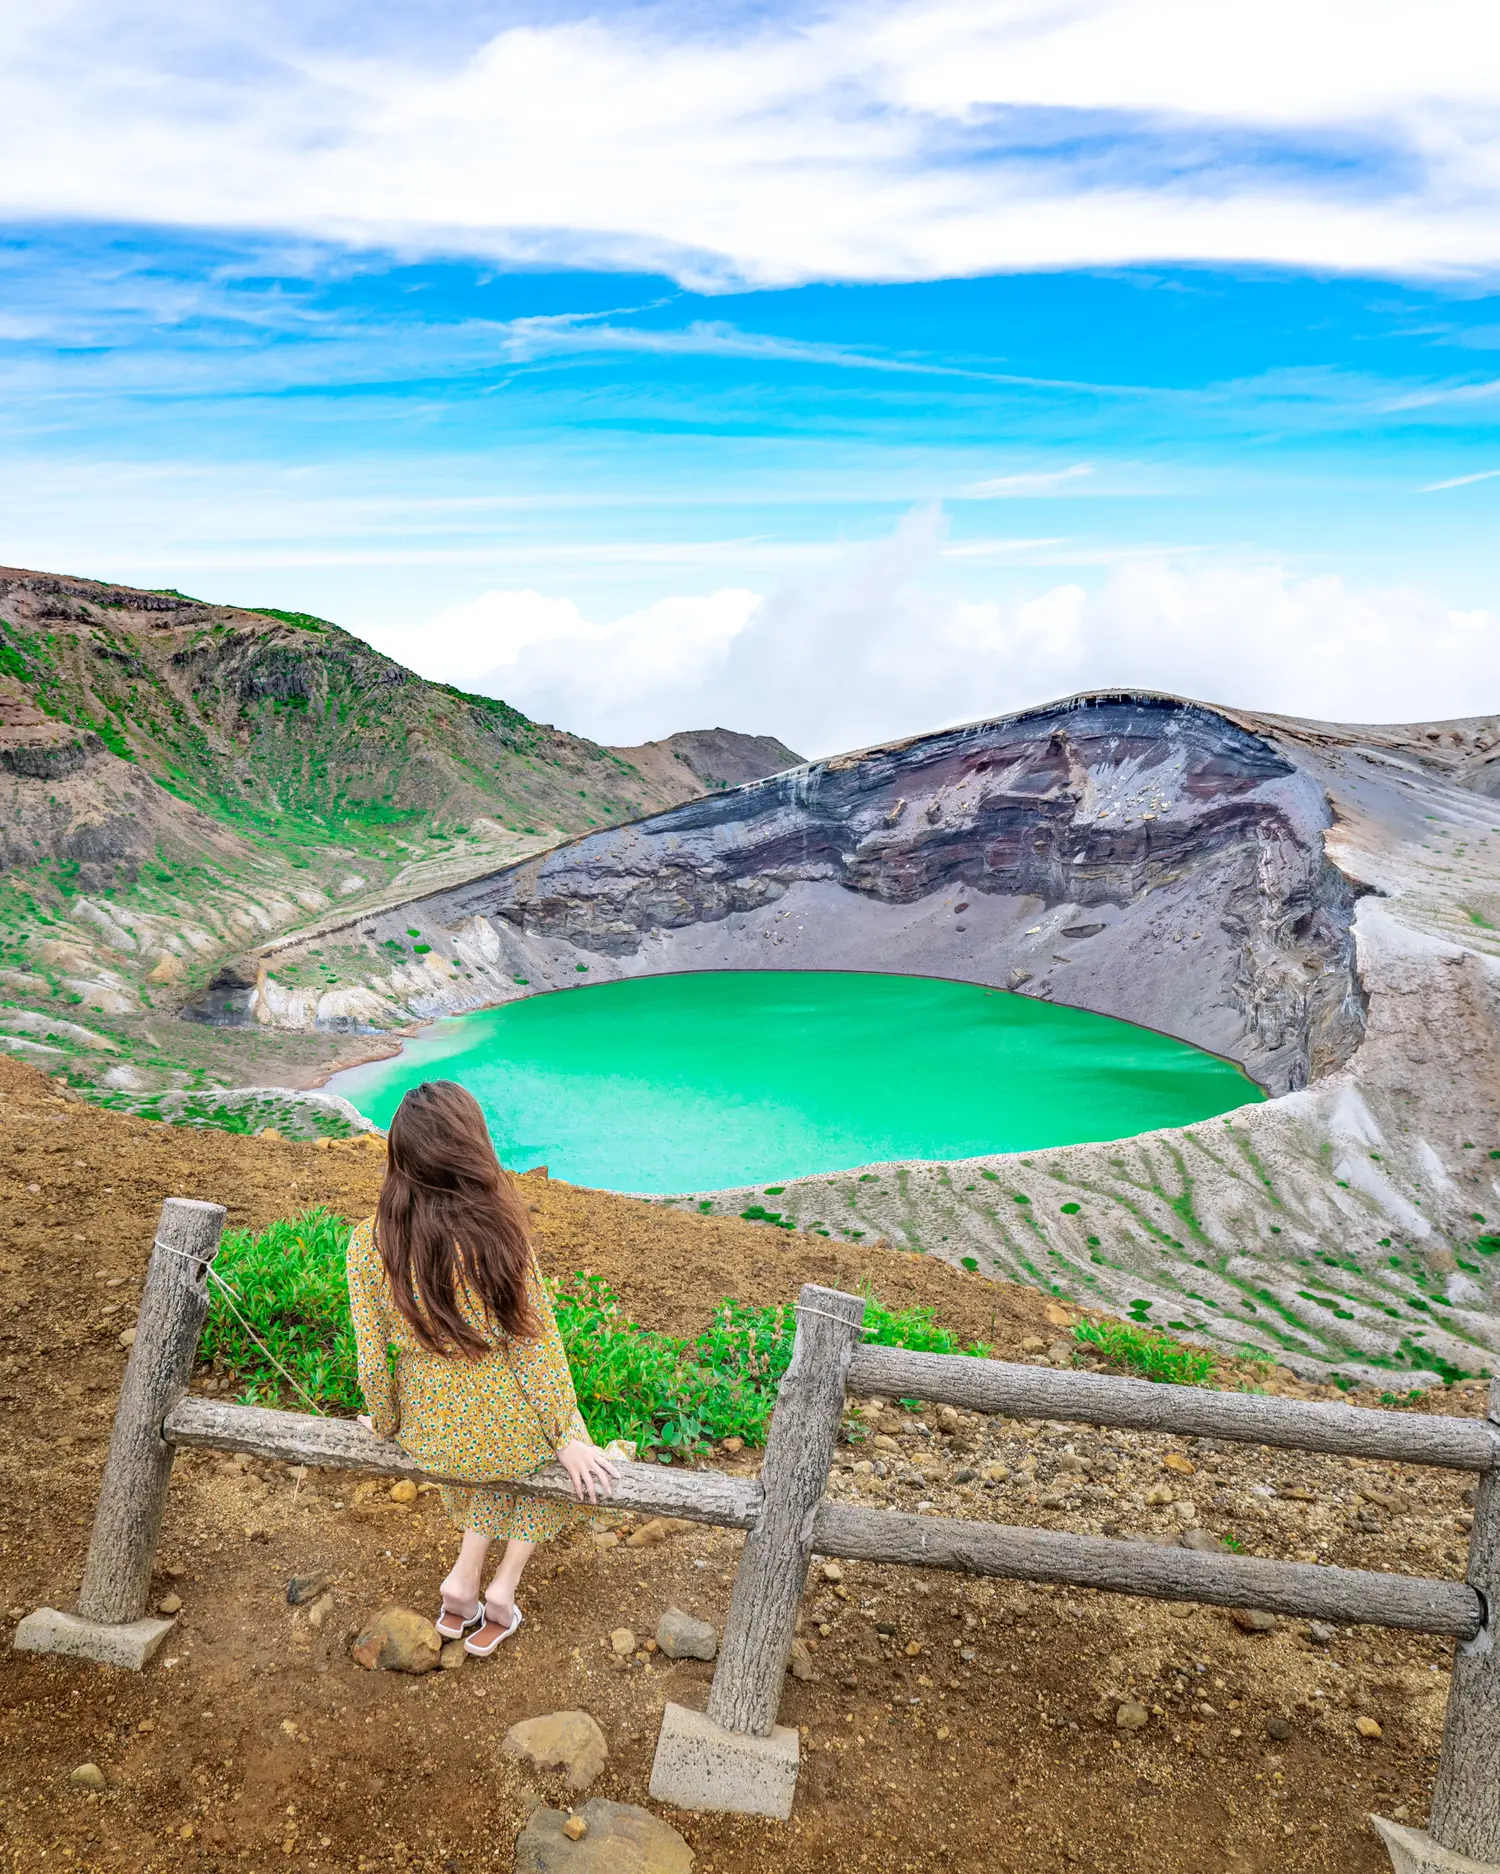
x=730, y=1077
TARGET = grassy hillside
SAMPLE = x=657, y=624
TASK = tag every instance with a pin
x=272, y=722
x=180, y=781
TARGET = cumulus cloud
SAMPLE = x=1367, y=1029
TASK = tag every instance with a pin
x=877, y=649
x=601, y=680
x=877, y=140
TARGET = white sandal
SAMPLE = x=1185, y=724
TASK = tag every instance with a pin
x=487, y=1640
x=452, y=1625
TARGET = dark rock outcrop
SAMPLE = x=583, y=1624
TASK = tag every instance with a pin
x=49, y=761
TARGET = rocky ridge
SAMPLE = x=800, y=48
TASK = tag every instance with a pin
x=714, y=758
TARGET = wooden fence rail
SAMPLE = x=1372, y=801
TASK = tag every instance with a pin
x=994, y=1387
x=344, y=1445
x=853, y=1533
x=736, y=1756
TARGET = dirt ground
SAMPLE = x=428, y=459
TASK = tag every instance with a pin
x=976, y=1732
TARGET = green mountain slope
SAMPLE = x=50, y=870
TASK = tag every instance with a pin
x=262, y=718
x=180, y=781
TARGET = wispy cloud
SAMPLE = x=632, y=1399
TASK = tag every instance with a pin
x=892, y=139
x=568, y=335
x=1029, y=482
x=1437, y=394
x=1459, y=481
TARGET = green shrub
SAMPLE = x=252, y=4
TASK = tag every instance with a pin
x=1148, y=1354
x=672, y=1397
x=291, y=1286
x=913, y=1328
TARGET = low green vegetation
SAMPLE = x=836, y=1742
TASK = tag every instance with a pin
x=251, y=1112
x=288, y=1285
x=304, y=621
x=288, y=1315
x=1150, y=1355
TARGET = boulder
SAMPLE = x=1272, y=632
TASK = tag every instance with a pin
x=397, y=1640
x=563, y=1740
x=619, y=1838
x=680, y=1636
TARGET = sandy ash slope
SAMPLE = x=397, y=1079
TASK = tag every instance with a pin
x=1318, y=902
x=946, y=1724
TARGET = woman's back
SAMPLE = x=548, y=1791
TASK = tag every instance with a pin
x=459, y=1354
x=498, y=1413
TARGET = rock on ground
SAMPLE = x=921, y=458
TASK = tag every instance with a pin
x=566, y=1740
x=621, y=1839
x=680, y=1636
x=397, y=1640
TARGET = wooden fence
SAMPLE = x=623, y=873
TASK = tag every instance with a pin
x=788, y=1518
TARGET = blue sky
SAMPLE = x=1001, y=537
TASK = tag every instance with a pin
x=834, y=374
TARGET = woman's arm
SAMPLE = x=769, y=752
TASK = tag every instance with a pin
x=541, y=1367
x=367, y=1289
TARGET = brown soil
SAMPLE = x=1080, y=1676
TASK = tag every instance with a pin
x=977, y=1735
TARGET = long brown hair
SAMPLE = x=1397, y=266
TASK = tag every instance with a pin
x=448, y=1210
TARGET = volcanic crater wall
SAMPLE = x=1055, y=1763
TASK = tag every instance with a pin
x=1143, y=857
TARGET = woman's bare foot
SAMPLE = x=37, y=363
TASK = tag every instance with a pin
x=460, y=1595
x=460, y=1591
x=502, y=1608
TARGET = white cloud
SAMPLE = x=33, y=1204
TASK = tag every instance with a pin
x=1032, y=482
x=874, y=650
x=1459, y=481
x=873, y=141
x=599, y=680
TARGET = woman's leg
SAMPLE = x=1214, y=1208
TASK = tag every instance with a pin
x=460, y=1590
x=500, y=1602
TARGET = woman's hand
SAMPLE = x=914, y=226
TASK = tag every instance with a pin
x=367, y=1421
x=589, y=1471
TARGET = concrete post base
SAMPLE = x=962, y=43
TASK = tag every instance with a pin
x=1413, y=1851
x=701, y=1766
x=128, y=1645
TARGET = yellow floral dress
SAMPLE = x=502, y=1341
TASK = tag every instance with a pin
x=504, y=1414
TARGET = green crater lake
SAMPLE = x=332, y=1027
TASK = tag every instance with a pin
x=731, y=1077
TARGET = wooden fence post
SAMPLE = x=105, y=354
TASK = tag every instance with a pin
x=1466, y=1800
x=133, y=1495
x=772, y=1573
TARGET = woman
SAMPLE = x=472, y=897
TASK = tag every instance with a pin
x=443, y=1276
